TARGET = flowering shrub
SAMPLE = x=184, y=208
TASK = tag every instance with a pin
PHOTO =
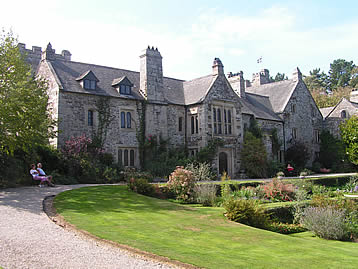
x=325, y=222
x=201, y=171
x=76, y=146
x=276, y=190
x=285, y=228
x=205, y=194
x=182, y=183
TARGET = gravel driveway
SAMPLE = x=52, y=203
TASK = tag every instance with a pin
x=29, y=239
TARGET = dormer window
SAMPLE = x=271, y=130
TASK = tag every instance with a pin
x=88, y=80
x=125, y=89
x=89, y=84
x=123, y=85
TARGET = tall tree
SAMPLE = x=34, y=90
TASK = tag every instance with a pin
x=340, y=73
x=24, y=118
x=316, y=80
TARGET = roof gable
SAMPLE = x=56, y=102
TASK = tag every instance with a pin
x=87, y=75
x=122, y=80
x=279, y=93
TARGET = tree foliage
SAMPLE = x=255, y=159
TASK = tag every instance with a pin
x=254, y=156
x=331, y=150
x=328, y=89
x=349, y=134
x=340, y=73
x=24, y=118
x=297, y=155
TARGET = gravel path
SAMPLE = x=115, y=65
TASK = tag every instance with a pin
x=29, y=239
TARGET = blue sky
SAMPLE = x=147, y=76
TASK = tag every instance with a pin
x=190, y=34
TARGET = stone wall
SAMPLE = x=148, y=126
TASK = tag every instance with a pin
x=302, y=114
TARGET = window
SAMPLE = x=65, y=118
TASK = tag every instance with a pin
x=126, y=120
x=313, y=111
x=193, y=152
x=126, y=157
x=123, y=120
x=316, y=136
x=90, y=118
x=125, y=89
x=180, y=129
x=294, y=133
x=343, y=114
x=222, y=121
x=293, y=108
x=89, y=84
x=194, y=124
x=215, y=122
x=129, y=120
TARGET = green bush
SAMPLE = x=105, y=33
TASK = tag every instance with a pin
x=141, y=186
x=247, y=212
x=182, y=183
x=285, y=228
x=206, y=194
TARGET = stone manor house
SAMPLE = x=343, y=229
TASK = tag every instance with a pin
x=187, y=113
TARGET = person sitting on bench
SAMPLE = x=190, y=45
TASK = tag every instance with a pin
x=43, y=179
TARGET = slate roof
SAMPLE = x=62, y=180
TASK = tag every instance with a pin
x=326, y=111
x=279, y=93
x=68, y=71
x=196, y=90
x=259, y=106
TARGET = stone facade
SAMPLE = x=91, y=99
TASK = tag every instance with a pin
x=186, y=113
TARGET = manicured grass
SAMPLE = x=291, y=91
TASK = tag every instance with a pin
x=193, y=234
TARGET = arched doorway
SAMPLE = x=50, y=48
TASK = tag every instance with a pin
x=223, y=162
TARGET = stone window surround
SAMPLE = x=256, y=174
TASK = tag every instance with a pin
x=126, y=110
x=95, y=116
x=127, y=156
x=316, y=136
x=294, y=133
x=181, y=123
x=223, y=106
x=193, y=151
x=193, y=121
x=293, y=108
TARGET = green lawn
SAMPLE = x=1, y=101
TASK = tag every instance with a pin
x=195, y=235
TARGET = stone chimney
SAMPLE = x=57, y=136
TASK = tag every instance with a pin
x=296, y=75
x=237, y=83
x=354, y=96
x=263, y=77
x=66, y=55
x=218, y=68
x=49, y=53
x=151, y=75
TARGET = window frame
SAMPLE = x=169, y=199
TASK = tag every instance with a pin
x=126, y=119
x=222, y=120
x=127, y=156
x=90, y=118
